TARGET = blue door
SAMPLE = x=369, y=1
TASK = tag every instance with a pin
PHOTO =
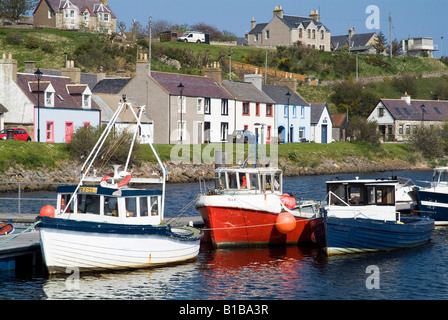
x=324, y=133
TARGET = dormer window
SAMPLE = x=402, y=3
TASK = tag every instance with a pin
x=86, y=101
x=86, y=16
x=49, y=99
x=49, y=96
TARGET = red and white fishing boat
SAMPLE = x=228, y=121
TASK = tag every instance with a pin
x=247, y=207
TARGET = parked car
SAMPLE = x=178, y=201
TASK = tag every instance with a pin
x=242, y=136
x=197, y=37
x=18, y=134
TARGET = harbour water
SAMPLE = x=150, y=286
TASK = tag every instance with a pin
x=290, y=273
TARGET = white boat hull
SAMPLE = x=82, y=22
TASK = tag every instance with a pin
x=89, y=251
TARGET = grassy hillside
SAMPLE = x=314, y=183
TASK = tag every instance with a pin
x=47, y=47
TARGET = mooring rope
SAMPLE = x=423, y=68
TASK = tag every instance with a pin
x=17, y=235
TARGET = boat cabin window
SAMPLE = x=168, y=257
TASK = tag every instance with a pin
x=253, y=181
x=272, y=182
x=65, y=199
x=111, y=206
x=440, y=177
x=232, y=184
x=381, y=195
x=146, y=206
x=131, y=208
x=242, y=179
x=88, y=204
x=154, y=205
x=220, y=181
x=355, y=195
x=339, y=195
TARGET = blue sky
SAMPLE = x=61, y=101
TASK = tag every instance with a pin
x=409, y=18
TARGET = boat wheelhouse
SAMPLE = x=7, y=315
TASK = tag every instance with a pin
x=361, y=216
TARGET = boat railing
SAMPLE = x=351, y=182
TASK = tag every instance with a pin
x=330, y=194
x=25, y=197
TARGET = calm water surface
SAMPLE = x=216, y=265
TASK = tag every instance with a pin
x=269, y=273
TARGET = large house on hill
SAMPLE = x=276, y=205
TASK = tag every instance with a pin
x=284, y=30
x=358, y=43
x=91, y=15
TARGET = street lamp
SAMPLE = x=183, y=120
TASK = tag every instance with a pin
x=38, y=74
x=288, y=96
x=181, y=88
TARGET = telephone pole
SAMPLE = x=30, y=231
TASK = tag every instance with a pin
x=390, y=34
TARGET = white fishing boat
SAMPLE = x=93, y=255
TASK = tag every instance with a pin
x=105, y=224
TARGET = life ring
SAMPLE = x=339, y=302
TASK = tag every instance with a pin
x=288, y=200
x=127, y=177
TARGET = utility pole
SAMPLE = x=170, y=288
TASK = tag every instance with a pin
x=390, y=34
x=149, y=53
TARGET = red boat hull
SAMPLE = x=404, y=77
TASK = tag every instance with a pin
x=227, y=227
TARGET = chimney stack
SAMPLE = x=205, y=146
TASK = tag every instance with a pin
x=278, y=11
x=72, y=72
x=8, y=68
x=252, y=23
x=351, y=32
x=214, y=72
x=315, y=15
x=104, y=2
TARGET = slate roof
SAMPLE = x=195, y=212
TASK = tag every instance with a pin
x=246, y=91
x=316, y=111
x=356, y=40
x=400, y=110
x=62, y=86
x=292, y=22
x=278, y=94
x=194, y=86
x=111, y=86
x=94, y=6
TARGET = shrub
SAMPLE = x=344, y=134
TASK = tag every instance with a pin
x=32, y=43
x=14, y=38
x=362, y=130
x=427, y=141
x=47, y=47
x=115, y=149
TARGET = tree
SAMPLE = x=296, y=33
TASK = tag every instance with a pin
x=427, y=141
x=14, y=9
x=358, y=99
x=362, y=130
x=121, y=26
x=380, y=43
x=397, y=49
x=214, y=33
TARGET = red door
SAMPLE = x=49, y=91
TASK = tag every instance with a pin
x=68, y=131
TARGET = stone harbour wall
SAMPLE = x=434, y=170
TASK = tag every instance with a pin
x=182, y=173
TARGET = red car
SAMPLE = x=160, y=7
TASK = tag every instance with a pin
x=19, y=134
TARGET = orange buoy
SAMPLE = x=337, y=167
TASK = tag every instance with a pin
x=285, y=222
x=47, y=211
x=288, y=200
